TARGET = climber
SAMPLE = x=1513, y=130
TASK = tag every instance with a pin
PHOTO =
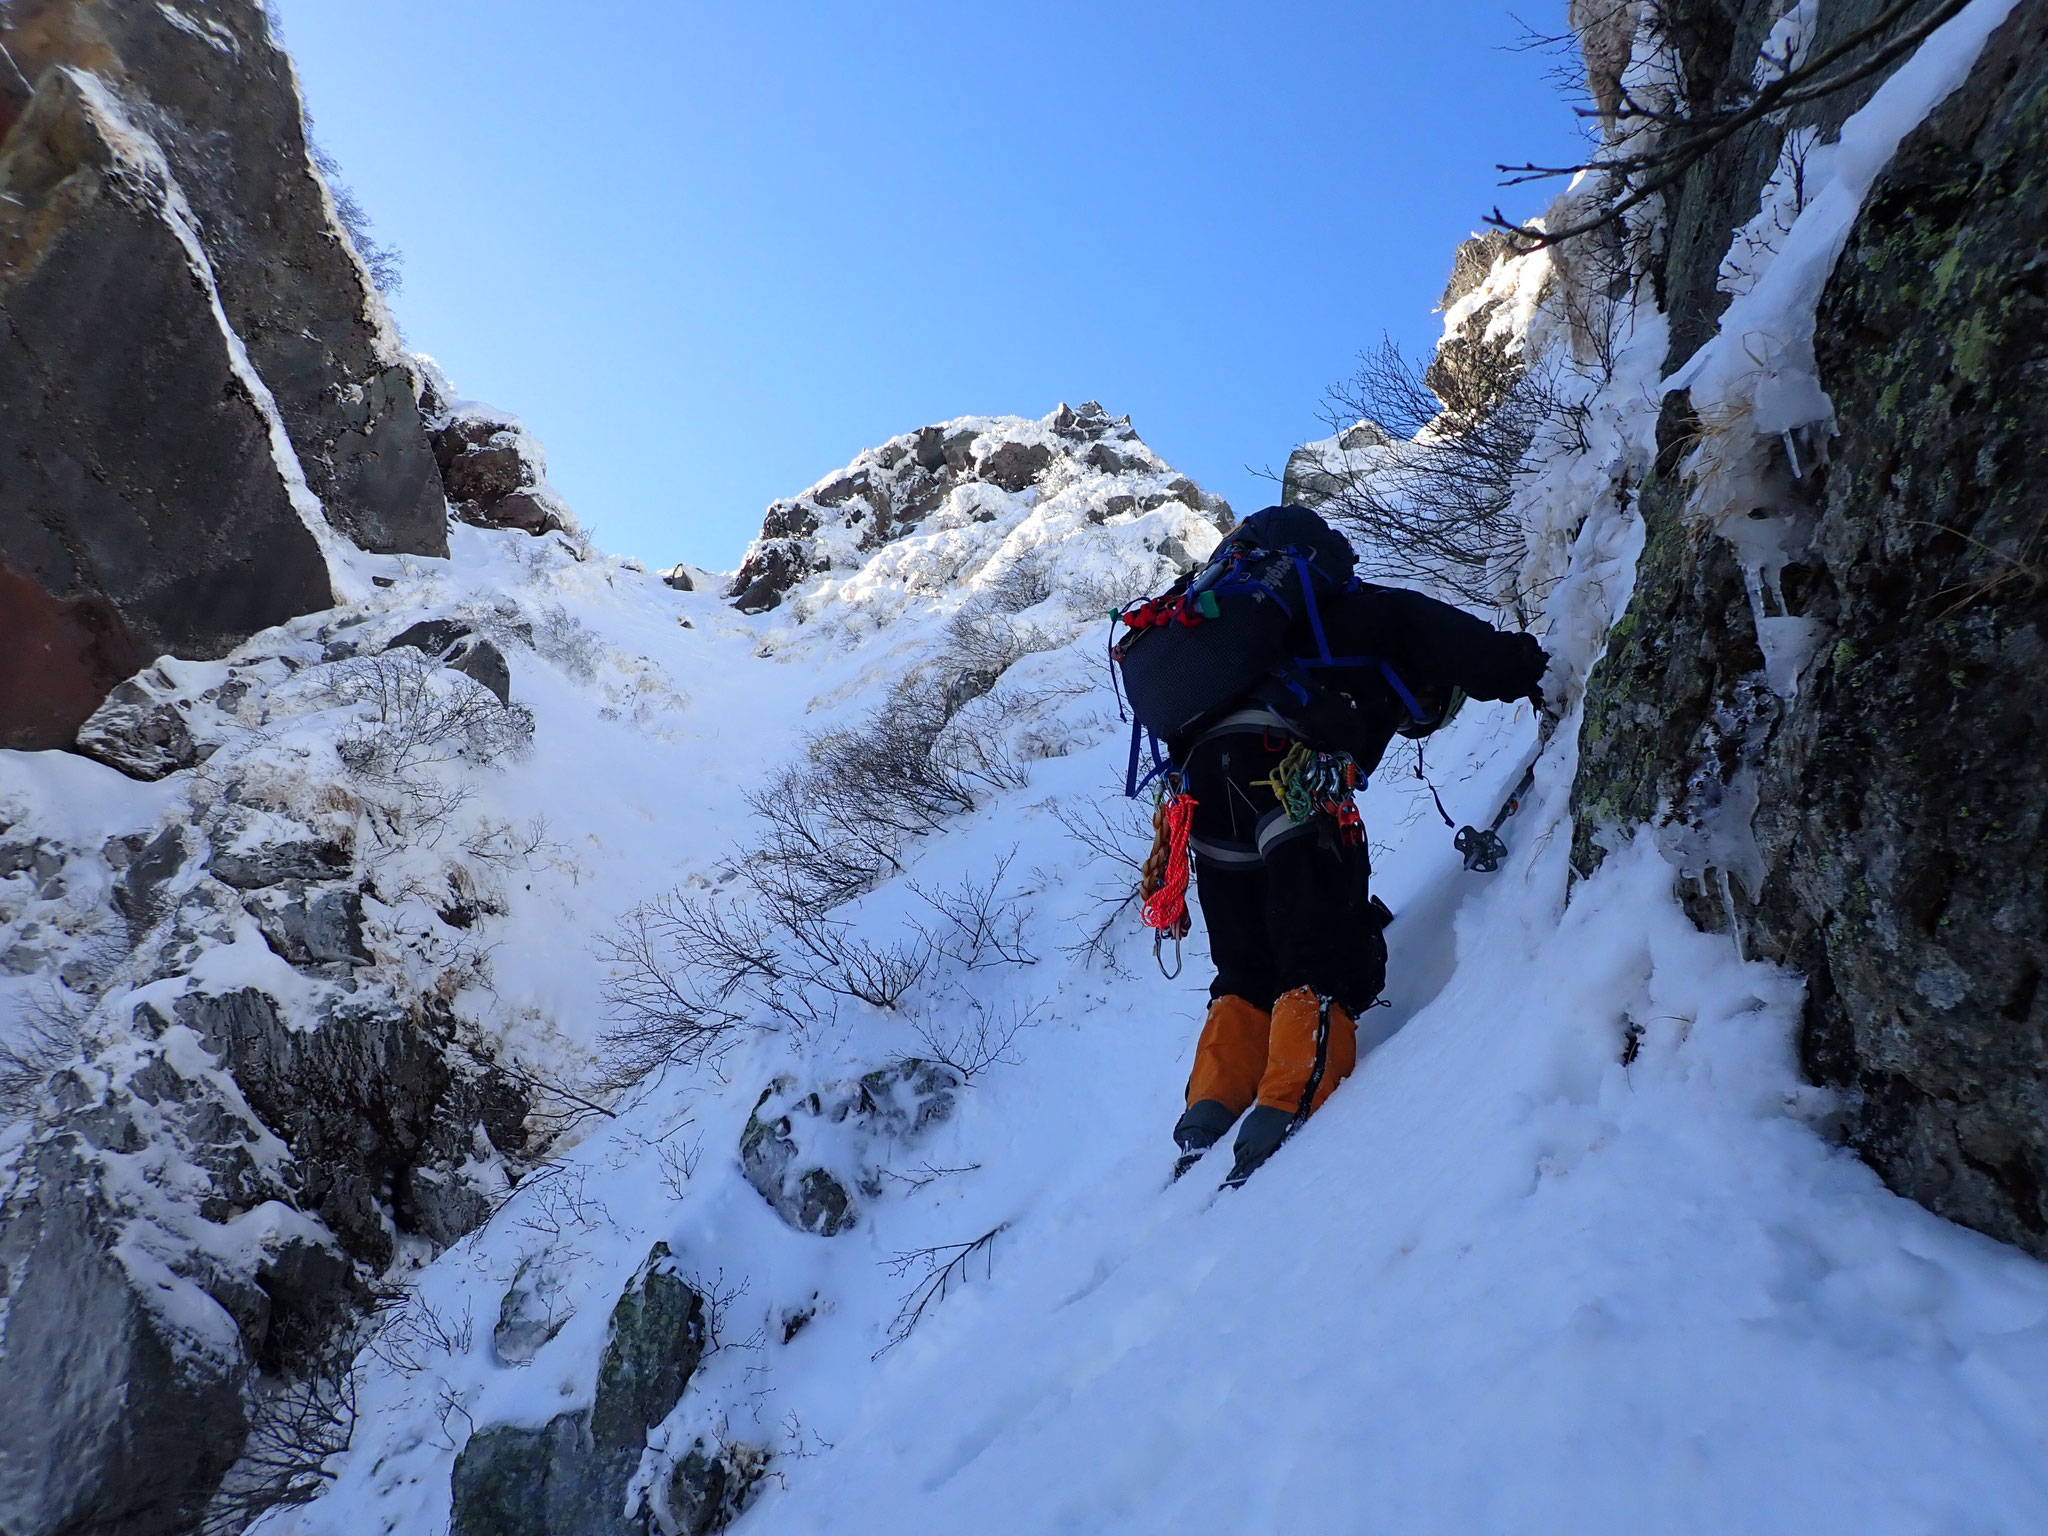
x=1279, y=857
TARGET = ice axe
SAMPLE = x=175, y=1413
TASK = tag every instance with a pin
x=1483, y=851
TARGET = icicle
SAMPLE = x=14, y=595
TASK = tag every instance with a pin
x=1728, y=908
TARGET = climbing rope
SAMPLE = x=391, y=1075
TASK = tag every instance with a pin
x=1307, y=782
x=1163, y=883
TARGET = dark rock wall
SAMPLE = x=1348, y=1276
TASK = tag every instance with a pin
x=207, y=1186
x=141, y=510
x=218, y=94
x=1897, y=799
x=1717, y=42
x=116, y=1418
x=140, y=498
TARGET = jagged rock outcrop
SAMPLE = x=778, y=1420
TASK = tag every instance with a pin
x=1314, y=470
x=1867, y=804
x=494, y=470
x=197, y=380
x=215, y=1172
x=892, y=490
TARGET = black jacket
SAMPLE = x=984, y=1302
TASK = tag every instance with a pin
x=1431, y=646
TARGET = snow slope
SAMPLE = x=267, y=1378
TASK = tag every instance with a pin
x=1504, y=1282
x=1571, y=1252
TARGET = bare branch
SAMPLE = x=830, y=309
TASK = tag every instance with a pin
x=942, y=1267
x=1686, y=136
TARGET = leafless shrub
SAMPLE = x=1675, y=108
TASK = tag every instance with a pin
x=678, y=1161
x=893, y=773
x=1111, y=591
x=568, y=642
x=1095, y=944
x=1119, y=836
x=799, y=1441
x=504, y=846
x=981, y=646
x=46, y=1033
x=691, y=967
x=1440, y=508
x=985, y=1038
x=1592, y=291
x=1115, y=834
x=410, y=1335
x=451, y=1403
x=418, y=716
x=980, y=927
x=574, y=1107
x=297, y=1426
x=875, y=974
x=1025, y=584
x=555, y=1204
x=385, y=263
x=939, y=1268
x=682, y=968
x=984, y=638
x=821, y=849
x=99, y=959
x=719, y=1296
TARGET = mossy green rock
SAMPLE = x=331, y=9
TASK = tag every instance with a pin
x=569, y=1478
x=656, y=1342
x=1901, y=824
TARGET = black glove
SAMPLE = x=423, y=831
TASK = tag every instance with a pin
x=1532, y=662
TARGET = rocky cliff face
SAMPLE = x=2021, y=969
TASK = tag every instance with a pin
x=965, y=470
x=199, y=388
x=261, y=1069
x=234, y=1092
x=1828, y=692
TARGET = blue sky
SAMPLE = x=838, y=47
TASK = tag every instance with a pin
x=711, y=252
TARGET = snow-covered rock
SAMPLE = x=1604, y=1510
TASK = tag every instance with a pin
x=494, y=470
x=297, y=1004
x=951, y=478
x=579, y=961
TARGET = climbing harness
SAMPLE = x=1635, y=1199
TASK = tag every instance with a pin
x=1306, y=782
x=1163, y=883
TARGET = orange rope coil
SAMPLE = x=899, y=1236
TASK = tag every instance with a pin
x=1164, y=881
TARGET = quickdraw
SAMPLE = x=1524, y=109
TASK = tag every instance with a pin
x=1307, y=782
x=1163, y=883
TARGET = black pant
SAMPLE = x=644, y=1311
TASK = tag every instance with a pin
x=1286, y=905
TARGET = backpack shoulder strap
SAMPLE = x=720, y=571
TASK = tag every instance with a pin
x=1161, y=763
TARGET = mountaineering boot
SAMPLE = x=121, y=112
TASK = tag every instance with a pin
x=1199, y=1129
x=1314, y=1046
x=1229, y=1059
